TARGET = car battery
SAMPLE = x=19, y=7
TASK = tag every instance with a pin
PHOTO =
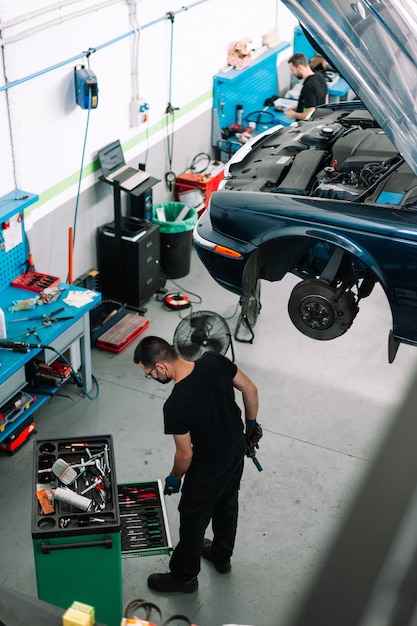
x=206, y=181
x=143, y=519
x=76, y=525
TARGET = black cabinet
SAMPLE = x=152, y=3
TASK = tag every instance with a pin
x=129, y=263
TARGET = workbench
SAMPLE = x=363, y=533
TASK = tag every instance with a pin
x=48, y=340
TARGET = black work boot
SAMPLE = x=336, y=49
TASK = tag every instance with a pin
x=223, y=567
x=166, y=583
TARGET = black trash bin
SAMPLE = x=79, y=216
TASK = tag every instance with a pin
x=176, y=237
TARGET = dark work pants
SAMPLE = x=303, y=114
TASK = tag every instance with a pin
x=210, y=492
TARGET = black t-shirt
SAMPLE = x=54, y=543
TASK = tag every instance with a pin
x=313, y=92
x=204, y=404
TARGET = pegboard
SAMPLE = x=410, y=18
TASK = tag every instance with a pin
x=248, y=87
x=12, y=261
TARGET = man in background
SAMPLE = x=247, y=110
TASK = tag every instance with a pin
x=314, y=89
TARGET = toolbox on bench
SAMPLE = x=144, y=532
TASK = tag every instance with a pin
x=34, y=281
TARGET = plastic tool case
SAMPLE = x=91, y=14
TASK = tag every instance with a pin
x=121, y=335
x=103, y=316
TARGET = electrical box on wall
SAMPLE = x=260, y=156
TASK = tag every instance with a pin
x=86, y=88
x=139, y=111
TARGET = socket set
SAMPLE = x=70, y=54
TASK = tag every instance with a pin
x=34, y=281
x=75, y=487
x=143, y=519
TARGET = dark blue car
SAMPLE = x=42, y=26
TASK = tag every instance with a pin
x=333, y=199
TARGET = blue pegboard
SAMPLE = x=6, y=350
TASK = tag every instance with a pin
x=248, y=87
x=12, y=262
x=302, y=45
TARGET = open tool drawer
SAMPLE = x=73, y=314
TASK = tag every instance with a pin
x=82, y=507
x=135, y=512
x=143, y=519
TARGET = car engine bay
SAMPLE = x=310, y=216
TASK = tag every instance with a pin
x=341, y=154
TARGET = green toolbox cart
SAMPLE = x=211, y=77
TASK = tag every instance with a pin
x=77, y=539
x=83, y=523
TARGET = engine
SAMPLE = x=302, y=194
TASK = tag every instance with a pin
x=343, y=155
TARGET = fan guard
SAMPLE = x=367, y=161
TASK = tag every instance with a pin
x=201, y=332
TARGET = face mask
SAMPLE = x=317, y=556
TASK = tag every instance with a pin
x=165, y=381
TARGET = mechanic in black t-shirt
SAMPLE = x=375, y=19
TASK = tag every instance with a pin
x=210, y=444
x=314, y=89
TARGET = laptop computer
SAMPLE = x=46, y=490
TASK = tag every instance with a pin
x=113, y=166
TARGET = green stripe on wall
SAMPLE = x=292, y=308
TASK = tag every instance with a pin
x=70, y=181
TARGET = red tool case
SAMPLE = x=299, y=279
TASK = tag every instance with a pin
x=207, y=181
x=119, y=336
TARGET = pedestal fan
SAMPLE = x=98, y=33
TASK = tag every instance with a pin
x=200, y=332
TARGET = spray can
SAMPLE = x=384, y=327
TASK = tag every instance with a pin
x=239, y=114
x=3, y=329
x=70, y=497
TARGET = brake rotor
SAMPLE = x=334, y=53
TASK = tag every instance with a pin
x=316, y=312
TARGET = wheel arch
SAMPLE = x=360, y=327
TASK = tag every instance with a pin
x=294, y=242
x=275, y=258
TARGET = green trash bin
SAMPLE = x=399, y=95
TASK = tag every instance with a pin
x=176, y=237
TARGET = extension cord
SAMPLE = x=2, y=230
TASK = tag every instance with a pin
x=176, y=301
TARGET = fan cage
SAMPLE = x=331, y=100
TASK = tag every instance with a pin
x=201, y=332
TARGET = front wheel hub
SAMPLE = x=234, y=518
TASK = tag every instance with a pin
x=318, y=311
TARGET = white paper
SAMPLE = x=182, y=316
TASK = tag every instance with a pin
x=12, y=234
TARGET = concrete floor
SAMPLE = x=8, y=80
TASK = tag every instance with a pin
x=324, y=407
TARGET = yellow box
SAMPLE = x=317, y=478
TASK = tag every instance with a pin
x=72, y=617
x=85, y=608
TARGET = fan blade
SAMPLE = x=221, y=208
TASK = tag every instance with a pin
x=216, y=345
x=189, y=351
x=202, y=322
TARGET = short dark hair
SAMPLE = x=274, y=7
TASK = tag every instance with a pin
x=151, y=350
x=298, y=59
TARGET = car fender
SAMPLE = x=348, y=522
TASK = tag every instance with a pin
x=321, y=234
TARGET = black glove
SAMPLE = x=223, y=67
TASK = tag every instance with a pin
x=253, y=433
x=172, y=485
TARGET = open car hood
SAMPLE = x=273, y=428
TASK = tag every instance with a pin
x=373, y=44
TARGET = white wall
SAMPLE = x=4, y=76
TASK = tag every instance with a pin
x=43, y=129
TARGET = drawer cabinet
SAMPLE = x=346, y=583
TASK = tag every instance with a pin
x=129, y=266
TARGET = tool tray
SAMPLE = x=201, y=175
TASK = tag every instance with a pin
x=143, y=519
x=34, y=281
x=103, y=316
x=67, y=519
x=119, y=336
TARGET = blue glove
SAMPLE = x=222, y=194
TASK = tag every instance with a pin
x=172, y=485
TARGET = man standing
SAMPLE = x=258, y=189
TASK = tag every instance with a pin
x=210, y=444
x=314, y=89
